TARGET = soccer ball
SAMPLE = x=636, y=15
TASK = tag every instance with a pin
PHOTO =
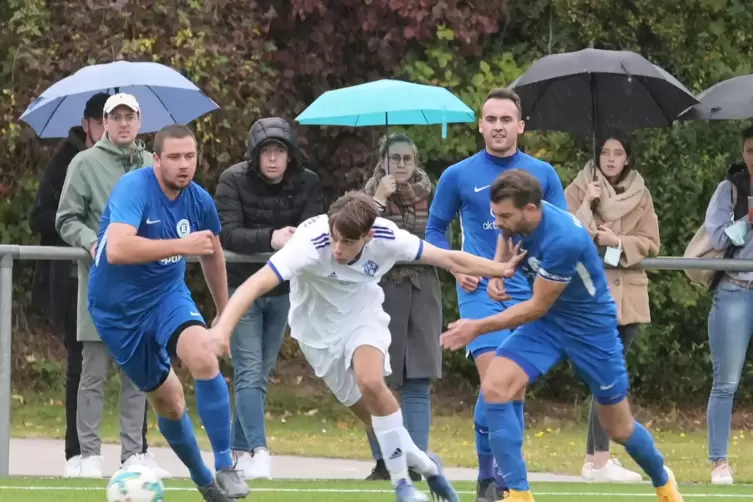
x=135, y=484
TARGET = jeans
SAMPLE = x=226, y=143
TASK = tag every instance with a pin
x=255, y=344
x=730, y=328
x=416, y=406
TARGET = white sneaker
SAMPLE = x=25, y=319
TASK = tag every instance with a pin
x=146, y=460
x=243, y=463
x=722, y=475
x=91, y=467
x=587, y=471
x=612, y=472
x=260, y=465
x=72, y=467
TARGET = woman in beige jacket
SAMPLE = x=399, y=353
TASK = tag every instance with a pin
x=610, y=198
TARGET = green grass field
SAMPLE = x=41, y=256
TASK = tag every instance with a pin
x=58, y=490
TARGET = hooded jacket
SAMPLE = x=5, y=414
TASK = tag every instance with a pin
x=91, y=176
x=251, y=207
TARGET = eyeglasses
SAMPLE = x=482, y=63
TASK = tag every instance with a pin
x=408, y=160
x=117, y=117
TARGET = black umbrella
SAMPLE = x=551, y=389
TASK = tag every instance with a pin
x=595, y=90
x=728, y=100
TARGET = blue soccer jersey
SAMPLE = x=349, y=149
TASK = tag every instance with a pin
x=581, y=325
x=561, y=250
x=463, y=189
x=138, y=200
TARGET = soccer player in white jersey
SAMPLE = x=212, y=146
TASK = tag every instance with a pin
x=334, y=263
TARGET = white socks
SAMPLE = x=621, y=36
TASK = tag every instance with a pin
x=398, y=449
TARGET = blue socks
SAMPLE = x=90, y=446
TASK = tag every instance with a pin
x=181, y=438
x=213, y=403
x=642, y=448
x=518, y=406
x=506, y=438
x=483, y=448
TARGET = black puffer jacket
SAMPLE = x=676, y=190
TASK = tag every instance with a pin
x=251, y=208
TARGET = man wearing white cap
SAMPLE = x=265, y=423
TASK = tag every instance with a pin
x=91, y=176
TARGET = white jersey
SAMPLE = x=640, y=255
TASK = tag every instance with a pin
x=329, y=300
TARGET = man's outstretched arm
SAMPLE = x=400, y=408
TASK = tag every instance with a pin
x=545, y=293
x=460, y=262
x=263, y=281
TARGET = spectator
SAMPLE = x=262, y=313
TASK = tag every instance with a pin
x=412, y=295
x=612, y=201
x=261, y=201
x=54, y=290
x=88, y=183
x=731, y=316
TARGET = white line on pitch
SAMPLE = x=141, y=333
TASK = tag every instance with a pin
x=346, y=490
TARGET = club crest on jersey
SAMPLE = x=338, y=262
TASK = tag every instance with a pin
x=531, y=267
x=370, y=268
x=534, y=263
x=183, y=228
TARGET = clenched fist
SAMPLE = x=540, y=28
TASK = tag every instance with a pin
x=198, y=243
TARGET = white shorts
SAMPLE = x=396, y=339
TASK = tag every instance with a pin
x=334, y=364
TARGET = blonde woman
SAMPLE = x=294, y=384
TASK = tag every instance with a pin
x=411, y=294
x=611, y=199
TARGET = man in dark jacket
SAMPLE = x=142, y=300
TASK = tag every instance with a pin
x=260, y=202
x=54, y=290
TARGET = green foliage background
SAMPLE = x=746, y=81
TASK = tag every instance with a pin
x=274, y=57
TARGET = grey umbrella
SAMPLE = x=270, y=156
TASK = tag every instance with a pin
x=730, y=99
x=595, y=90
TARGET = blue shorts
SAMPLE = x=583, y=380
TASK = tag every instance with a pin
x=143, y=345
x=479, y=308
x=597, y=358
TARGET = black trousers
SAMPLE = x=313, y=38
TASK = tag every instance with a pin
x=72, y=378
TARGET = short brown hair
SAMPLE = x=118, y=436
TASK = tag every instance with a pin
x=504, y=93
x=352, y=215
x=518, y=185
x=176, y=131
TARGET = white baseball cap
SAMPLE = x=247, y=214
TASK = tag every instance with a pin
x=121, y=99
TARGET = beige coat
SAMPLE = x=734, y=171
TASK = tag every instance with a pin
x=638, y=229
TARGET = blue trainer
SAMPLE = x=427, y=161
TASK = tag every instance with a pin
x=441, y=489
x=406, y=492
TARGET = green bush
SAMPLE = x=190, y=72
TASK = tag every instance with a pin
x=273, y=57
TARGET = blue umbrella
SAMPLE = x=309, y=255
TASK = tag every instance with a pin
x=385, y=103
x=164, y=95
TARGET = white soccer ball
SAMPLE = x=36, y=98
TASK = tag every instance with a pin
x=135, y=484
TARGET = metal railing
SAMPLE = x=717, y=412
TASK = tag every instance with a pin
x=11, y=253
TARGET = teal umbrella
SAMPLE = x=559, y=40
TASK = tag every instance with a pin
x=386, y=103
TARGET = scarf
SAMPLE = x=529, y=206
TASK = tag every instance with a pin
x=408, y=208
x=615, y=201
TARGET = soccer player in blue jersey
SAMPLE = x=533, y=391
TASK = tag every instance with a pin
x=464, y=188
x=570, y=315
x=143, y=310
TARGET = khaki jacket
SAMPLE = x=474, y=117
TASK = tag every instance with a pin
x=639, y=233
x=91, y=176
